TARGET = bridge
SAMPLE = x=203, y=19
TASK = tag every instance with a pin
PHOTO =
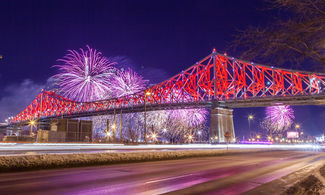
x=217, y=82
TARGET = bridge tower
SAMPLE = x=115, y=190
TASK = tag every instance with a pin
x=221, y=121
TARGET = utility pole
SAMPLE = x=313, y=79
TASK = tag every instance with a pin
x=107, y=130
x=113, y=127
x=145, y=122
x=148, y=93
x=121, y=136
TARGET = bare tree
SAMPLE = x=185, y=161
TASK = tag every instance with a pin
x=299, y=38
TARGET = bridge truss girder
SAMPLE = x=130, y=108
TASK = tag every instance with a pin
x=215, y=78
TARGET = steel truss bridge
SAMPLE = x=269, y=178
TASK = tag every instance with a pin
x=216, y=80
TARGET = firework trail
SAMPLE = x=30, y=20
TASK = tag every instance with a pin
x=281, y=117
x=85, y=75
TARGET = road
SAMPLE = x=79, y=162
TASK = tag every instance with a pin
x=231, y=174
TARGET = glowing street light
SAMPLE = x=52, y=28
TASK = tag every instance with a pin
x=31, y=124
x=297, y=126
x=199, y=132
x=154, y=137
x=108, y=134
x=148, y=93
x=164, y=130
x=113, y=126
x=190, y=138
x=250, y=117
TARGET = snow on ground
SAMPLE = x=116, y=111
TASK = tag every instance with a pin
x=44, y=161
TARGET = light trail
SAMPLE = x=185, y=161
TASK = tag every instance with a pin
x=84, y=146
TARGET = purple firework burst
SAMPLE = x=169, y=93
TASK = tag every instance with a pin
x=280, y=116
x=84, y=76
x=127, y=82
x=190, y=117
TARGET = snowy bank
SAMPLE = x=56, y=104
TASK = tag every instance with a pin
x=46, y=161
x=308, y=180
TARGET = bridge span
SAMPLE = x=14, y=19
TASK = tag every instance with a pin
x=217, y=82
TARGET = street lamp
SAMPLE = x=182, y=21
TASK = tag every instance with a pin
x=154, y=137
x=190, y=138
x=297, y=126
x=108, y=135
x=199, y=132
x=250, y=117
x=113, y=126
x=147, y=93
x=31, y=124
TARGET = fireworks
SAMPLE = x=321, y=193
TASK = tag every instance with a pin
x=190, y=117
x=84, y=76
x=158, y=119
x=127, y=82
x=280, y=117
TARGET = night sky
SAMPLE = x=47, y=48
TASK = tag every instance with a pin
x=159, y=38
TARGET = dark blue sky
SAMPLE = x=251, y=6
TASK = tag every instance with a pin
x=160, y=37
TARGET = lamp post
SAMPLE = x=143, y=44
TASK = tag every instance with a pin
x=145, y=115
x=121, y=138
x=250, y=117
x=297, y=127
x=108, y=135
x=114, y=127
x=190, y=138
x=199, y=132
x=154, y=137
x=32, y=124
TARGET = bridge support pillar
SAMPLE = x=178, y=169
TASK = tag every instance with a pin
x=221, y=121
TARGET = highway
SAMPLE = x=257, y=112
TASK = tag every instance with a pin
x=230, y=174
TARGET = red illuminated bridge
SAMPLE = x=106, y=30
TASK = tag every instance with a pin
x=218, y=82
